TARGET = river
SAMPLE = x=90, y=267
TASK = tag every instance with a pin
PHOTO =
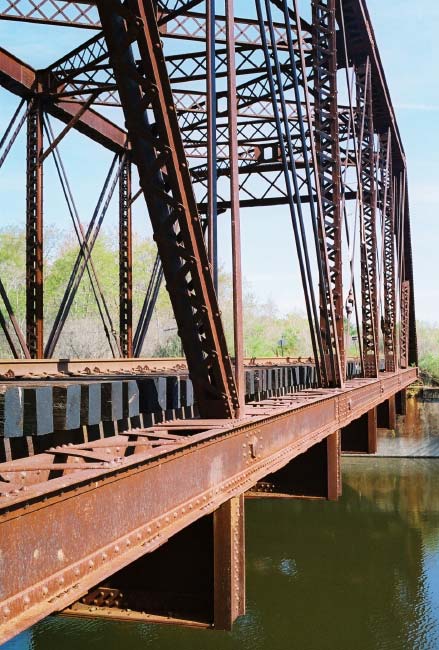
x=360, y=574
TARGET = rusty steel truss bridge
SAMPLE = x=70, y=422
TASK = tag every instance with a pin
x=122, y=480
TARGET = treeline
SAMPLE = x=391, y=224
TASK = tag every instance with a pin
x=428, y=348
x=83, y=334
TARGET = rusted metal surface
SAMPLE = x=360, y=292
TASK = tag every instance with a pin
x=238, y=315
x=251, y=104
x=360, y=436
x=36, y=368
x=84, y=78
x=405, y=326
x=206, y=590
x=229, y=562
x=329, y=178
x=365, y=139
x=388, y=257
x=74, y=503
x=165, y=181
x=34, y=231
x=125, y=261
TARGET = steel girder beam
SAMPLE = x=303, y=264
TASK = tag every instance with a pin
x=366, y=146
x=182, y=24
x=329, y=176
x=408, y=276
x=166, y=184
x=78, y=503
x=125, y=261
x=361, y=43
x=22, y=80
x=405, y=325
x=388, y=245
x=34, y=231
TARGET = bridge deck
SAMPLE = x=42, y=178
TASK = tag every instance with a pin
x=128, y=494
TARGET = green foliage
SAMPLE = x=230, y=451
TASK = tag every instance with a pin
x=83, y=334
x=12, y=267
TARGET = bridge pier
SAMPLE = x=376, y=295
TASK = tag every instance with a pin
x=360, y=436
x=196, y=578
x=401, y=402
x=313, y=474
x=386, y=414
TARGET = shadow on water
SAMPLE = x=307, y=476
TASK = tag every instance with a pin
x=359, y=574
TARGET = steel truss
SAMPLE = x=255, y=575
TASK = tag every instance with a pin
x=294, y=146
x=219, y=113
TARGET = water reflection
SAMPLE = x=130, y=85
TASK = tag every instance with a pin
x=417, y=433
x=359, y=574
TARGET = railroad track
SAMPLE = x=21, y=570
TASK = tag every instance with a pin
x=32, y=369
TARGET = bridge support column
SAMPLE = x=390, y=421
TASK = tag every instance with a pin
x=401, y=402
x=386, y=414
x=313, y=474
x=360, y=436
x=197, y=578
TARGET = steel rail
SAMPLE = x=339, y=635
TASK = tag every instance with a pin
x=33, y=368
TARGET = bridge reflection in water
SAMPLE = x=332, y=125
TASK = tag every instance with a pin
x=416, y=433
x=356, y=574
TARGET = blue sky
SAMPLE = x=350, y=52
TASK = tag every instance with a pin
x=406, y=32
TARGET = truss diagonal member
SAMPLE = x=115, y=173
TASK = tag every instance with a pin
x=368, y=227
x=388, y=244
x=408, y=275
x=326, y=127
x=83, y=257
x=164, y=177
x=15, y=324
x=149, y=303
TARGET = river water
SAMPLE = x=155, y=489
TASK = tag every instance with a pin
x=360, y=574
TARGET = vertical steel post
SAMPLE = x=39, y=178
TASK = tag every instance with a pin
x=408, y=275
x=34, y=231
x=234, y=206
x=212, y=196
x=365, y=138
x=229, y=563
x=329, y=171
x=405, y=325
x=125, y=261
x=387, y=206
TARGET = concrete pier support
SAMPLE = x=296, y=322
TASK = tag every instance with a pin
x=360, y=436
x=197, y=578
x=401, y=402
x=313, y=474
x=386, y=414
